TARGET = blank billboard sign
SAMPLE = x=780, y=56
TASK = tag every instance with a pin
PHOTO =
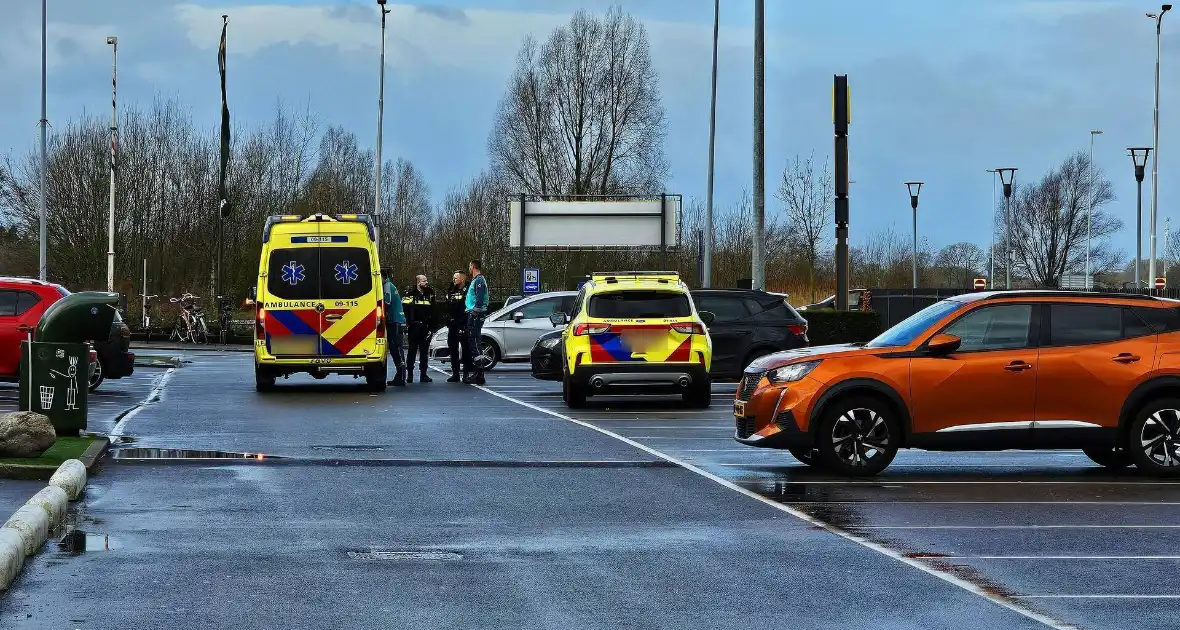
x=601, y=223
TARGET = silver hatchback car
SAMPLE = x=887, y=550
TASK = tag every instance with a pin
x=510, y=333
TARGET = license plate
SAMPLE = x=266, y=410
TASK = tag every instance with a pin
x=739, y=409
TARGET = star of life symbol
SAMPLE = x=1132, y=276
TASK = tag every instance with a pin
x=346, y=272
x=293, y=273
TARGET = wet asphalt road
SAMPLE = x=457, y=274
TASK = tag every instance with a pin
x=444, y=506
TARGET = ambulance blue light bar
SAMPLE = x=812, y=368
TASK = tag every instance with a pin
x=317, y=218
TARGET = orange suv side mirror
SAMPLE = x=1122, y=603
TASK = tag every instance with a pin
x=943, y=344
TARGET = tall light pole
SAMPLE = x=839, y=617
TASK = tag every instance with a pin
x=43, y=264
x=380, y=117
x=757, y=257
x=1139, y=158
x=1007, y=176
x=915, y=189
x=114, y=44
x=1090, y=210
x=1158, y=17
x=991, y=253
x=707, y=256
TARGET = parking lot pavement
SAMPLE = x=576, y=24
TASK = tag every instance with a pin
x=473, y=512
x=1046, y=529
x=113, y=399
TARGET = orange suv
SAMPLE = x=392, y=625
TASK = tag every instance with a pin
x=978, y=372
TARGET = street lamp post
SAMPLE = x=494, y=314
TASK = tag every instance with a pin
x=758, y=253
x=915, y=189
x=1090, y=210
x=380, y=116
x=991, y=253
x=114, y=44
x=1139, y=158
x=43, y=265
x=1007, y=176
x=1158, y=17
x=707, y=264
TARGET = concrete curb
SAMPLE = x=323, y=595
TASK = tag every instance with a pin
x=24, y=533
x=71, y=477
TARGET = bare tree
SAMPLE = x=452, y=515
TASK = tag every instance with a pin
x=957, y=264
x=807, y=198
x=1049, y=224
x=581, y=114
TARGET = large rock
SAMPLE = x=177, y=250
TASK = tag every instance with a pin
x=25, y=434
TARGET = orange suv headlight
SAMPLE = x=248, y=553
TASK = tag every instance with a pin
x=791, y=373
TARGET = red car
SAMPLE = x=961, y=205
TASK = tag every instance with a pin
x=23, y=301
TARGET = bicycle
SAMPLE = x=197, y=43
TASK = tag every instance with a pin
x=191, y=324
x=147, y=317
x=225, y=312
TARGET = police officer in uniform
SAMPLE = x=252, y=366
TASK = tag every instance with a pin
x=418, y=302
x=455, y=300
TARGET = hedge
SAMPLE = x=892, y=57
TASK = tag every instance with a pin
x=825, y=327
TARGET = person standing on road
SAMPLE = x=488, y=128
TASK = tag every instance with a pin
x=456, y=303
x=475, y=308
x=395, y=320
x=419, y=305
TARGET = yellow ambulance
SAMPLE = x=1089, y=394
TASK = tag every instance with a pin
x=319, y=306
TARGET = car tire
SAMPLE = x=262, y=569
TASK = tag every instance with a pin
x=489, y=354
x=573, y=394
x=1153, y=438
x=97, y=375
x=699, y=395
x=263, y=381
x=805, y=456
x=1108, y=457
x=858, y=436
x=375, y=377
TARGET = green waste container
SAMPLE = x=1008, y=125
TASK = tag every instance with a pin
x=57, y=384
x=55, y=366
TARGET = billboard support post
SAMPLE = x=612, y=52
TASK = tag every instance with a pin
x=522, y=241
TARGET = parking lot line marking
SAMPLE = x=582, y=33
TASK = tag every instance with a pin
x=121, y=425
x=1119, y=526
x=1059, y=557
x=945, y=576
x=898, y=482
x=674, y=437
x=920, y=502
x=1098, y=596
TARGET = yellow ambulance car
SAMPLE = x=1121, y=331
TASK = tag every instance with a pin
x=319, y=300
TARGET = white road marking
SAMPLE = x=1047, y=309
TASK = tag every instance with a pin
x=1119, y=526
x=920, y=502
x=945, y=576
x=675, y=437
x=1058, y=558
x=1111, y=596
x=161, y=382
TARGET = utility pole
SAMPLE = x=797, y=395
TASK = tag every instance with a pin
x=43, y=264
x=1158, y=17
x=758, y=257
x=1090, y=211
x=380, y=116
x=707, y=264
x=114, y=44
x=841, y=116
x=991, y=253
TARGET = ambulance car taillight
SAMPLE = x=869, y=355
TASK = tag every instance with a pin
x=584, y=329
x=260, y=324
x=380, y=321
x=688, y=328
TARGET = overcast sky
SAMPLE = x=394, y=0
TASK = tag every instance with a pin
x=941, y=90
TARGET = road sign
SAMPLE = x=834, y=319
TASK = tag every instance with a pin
x=980, y=284
x=1160, y=283
x=532, y=280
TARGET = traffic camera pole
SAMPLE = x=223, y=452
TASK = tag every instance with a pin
x=841, y=118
